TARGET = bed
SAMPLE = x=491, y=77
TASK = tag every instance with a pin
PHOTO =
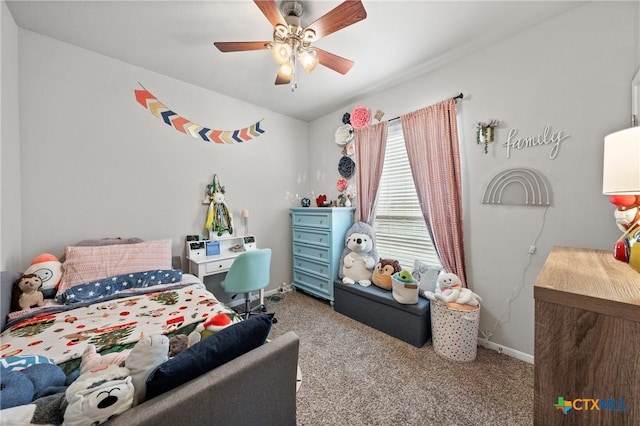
x=113, y=296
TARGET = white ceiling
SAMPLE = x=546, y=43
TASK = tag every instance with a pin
x=398, y=40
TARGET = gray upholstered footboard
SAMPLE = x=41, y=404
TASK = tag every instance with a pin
x=256, y=388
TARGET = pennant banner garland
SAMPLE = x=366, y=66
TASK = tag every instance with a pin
x=197, y=131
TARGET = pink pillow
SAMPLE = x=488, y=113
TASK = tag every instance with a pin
x=86, y=264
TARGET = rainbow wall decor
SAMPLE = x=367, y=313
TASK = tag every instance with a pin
x=181, y=124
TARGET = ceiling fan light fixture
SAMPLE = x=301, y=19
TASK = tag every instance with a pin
x=286, y=70
x=281, y=52
x=308, y=60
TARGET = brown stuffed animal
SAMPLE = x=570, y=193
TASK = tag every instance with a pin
x=381, y=275
x=27, y=293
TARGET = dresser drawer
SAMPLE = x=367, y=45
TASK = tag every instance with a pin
x=317, y=285
x=312, y=219
x=317, y=268
x=319, y=253
x=221, y=265
x=312, y=236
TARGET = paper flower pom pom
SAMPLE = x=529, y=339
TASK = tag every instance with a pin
x=344, y=134
x=360, y=117
x=341, y=184
x=349, y=149
x=346, y=167
x=346, y=118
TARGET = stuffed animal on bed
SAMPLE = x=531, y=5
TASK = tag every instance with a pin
x=381, y=276
x=49, y=269
x=359, y=255
x=92, y=359
x=146, y=355
x=98, y=395
x=26, y=293
x=451, y=293
x=25, y=386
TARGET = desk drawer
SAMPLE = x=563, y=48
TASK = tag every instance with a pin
x=319, y=253
x=217, y=266
x=317, y=268
x=301, y=235
x=312, y=219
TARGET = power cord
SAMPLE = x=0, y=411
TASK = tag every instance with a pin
x=515, y=292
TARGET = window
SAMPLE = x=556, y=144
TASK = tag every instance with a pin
x=401, y=232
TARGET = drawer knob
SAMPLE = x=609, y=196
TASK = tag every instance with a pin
x=321, y=221
x=319, y=254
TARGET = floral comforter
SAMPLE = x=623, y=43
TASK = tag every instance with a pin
x=63, y=332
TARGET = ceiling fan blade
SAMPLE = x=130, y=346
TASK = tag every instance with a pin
x=270, y=9
x=239, y=46
x=335, y=62
x=283, y=79
x=343, y=15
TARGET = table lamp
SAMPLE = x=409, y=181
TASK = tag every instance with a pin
x=621, y=181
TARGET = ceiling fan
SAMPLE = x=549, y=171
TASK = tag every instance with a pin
x=292, y=43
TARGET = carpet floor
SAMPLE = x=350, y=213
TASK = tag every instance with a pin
x=355, y=375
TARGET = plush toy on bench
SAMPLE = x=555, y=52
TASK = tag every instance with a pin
x=383, y=271
x=359, y=255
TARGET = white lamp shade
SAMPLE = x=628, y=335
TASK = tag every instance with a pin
x=621, y=171
x=281, y=52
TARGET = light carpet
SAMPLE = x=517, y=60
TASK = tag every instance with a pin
x=355, y=375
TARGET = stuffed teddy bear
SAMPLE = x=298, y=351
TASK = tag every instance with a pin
x=49, y=269
x=384, y=269
x=98, y=394
x=26, y=292
x=451, y=293
x=359, y=255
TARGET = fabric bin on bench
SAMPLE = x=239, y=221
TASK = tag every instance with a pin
x=377, y=308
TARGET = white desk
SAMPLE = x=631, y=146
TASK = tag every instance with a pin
x=204, y=266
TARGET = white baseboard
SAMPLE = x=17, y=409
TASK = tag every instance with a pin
x=505, y=350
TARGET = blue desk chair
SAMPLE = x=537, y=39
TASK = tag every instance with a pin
x=249, y=272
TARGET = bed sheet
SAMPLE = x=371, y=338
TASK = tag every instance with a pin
x=63, y=333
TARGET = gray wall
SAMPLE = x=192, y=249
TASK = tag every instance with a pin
x=10, y=195
x=97, y=164
x=572, y=72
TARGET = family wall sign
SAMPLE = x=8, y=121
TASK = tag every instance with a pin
x=546, y=138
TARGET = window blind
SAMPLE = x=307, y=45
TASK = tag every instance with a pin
x=401, y=232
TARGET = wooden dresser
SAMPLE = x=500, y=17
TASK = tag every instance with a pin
x=318, y=241
x=587, y=339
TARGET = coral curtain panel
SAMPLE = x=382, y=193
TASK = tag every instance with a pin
x=371, y=142
x=431, y=138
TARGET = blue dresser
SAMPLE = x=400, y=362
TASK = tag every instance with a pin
x=318, y=241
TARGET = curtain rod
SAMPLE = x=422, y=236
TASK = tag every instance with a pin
x=460, y=96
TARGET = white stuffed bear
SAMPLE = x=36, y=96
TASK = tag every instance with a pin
x=359, y=255
x=97, y=395
x=450, y=290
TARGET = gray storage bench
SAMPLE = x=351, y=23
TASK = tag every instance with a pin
x=377, y=308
